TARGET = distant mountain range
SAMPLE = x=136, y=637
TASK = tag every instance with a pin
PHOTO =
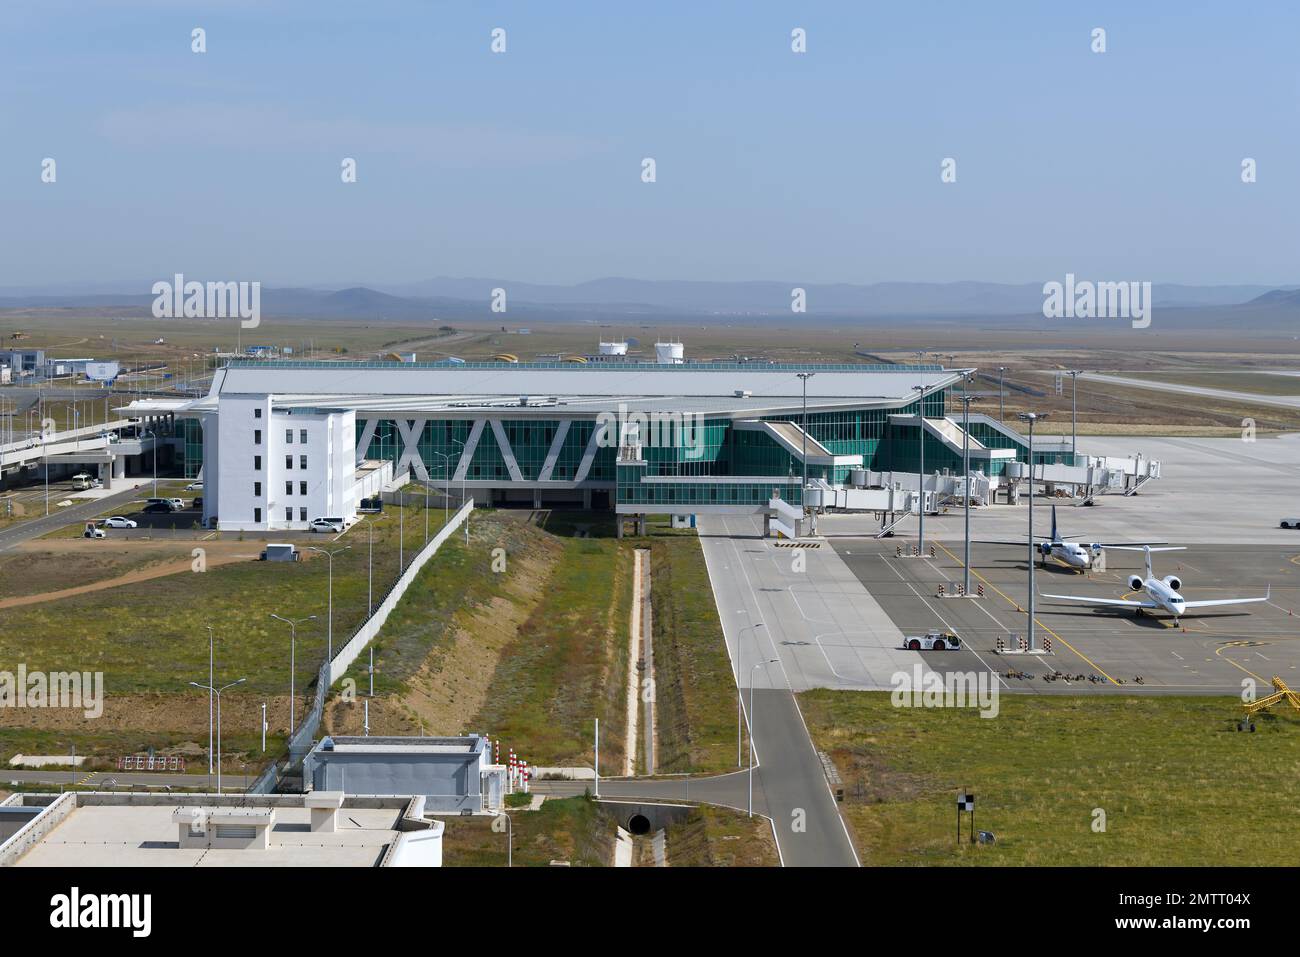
x=614, y=297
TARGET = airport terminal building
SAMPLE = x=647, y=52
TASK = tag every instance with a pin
x=280, y=443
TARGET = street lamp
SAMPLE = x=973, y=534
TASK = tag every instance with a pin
x=153, y=435
x=770, y=661
x=462, y=487
x=966, y=400
x=293, y=624
x=446, y=475
x=739, y=694
x=1031, y=418
x=920, y=469
x=1074, y=414
x=804, y=377
x=217, y=691
x=329, y=646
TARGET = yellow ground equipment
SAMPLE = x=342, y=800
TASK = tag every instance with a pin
x=1280, y=693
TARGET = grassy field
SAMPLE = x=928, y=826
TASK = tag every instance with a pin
x=567, y=664
x=718, y=837
x=576, y=830
x=1178, y=785
x=523, y=635
x=150, y=640
x=695, y=696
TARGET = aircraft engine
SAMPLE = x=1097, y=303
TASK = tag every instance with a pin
x=1045, y=547
x=1174, y=582
x=1135, y=582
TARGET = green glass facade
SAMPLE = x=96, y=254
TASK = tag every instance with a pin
x=748, y=464
x=192, y=436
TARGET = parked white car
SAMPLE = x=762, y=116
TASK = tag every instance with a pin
x=1291, y=523
x=118, y=521
x=327, y=525
x=194, y=487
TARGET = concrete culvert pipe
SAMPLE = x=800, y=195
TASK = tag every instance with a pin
x=639, y=824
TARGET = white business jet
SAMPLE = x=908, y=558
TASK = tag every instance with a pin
x=1162, y=593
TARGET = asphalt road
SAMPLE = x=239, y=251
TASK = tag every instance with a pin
x=1285, y=401
x=750, y=585
x=58, y=518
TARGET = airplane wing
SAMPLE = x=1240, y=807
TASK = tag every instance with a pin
x=1022, y=543
x=1123, y=544
x=1121, y=602
x=1210, y=602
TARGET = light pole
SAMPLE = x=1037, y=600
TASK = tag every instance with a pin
x=462, y=488
x=153, y=435
x=770, y=661
x=217, y=691
x=739, y=693
x=329, y=646
x=370, y=568
x=293, y=624
x=966, y=399
x=446, y=492
x=1031, y=418
x=804, y=377
x=1001, y=410
x=920, y=469
x=211, y=680
x=401, y=530
x=1074, y=414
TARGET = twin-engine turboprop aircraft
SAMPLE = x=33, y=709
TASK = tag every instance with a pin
x=1074, y=554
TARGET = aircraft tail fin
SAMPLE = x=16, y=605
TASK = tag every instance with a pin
x=1146, y=557
x=1055, y=537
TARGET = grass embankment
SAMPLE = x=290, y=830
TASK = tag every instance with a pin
x=523, y=635
x=576, y=830
x=717, y=837
x=695, y=691
x=1177, y=783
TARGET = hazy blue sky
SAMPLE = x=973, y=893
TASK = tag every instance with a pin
x=771, y=165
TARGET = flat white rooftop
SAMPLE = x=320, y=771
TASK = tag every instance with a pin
x=145, y=836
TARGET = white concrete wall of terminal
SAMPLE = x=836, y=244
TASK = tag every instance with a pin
x=278, y=469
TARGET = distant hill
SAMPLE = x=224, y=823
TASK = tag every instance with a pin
x=694, y=302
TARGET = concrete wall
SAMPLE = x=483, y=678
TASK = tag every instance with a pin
x=366, y=633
